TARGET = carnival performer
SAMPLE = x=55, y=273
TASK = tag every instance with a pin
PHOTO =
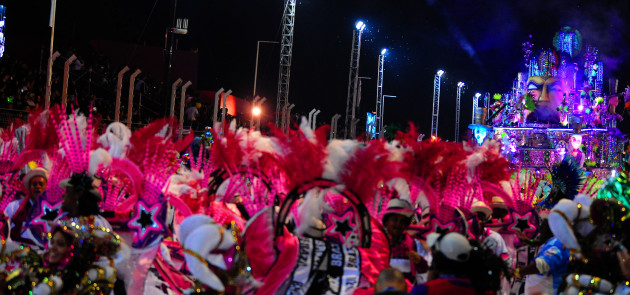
x=81, y=199
x=404, y=249
x=20, y=211
x=546, y=272
x=450, y=255
x=491, y=239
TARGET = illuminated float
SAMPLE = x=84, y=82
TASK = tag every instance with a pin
x=558, y=108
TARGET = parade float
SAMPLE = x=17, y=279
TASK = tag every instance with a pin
x=558, y=108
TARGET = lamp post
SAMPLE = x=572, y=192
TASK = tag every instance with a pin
x=256, y=69
x=460, y=85
x=379, y=94
x=353, y=78
x=436, y=103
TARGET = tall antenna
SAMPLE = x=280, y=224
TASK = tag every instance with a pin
x=288, y=22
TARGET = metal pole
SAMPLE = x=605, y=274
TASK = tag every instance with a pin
x=251, y=122
x=225, y=96
x=51, y=59
x=260, y=103
x=119, y=93
x=173, y=92
x=256, y=70
x=460, y=85
x=217, y=95
x=182, y=101
x=315, y=119
x=168, y=51
x=66, y=73
x=284, y=118
x=436, y=103
x=132, y=79
x=289, y=115
x=310, y=117
x=379, y=97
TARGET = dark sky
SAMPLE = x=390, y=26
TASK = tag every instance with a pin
x=477, y=42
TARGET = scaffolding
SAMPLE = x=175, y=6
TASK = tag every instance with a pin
x=288, y=22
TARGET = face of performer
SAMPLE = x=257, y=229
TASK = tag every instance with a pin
x=59, y=248
x=70, y=202
x=36, y=186
x=396, y=225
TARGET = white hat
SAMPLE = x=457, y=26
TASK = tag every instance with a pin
x=453, y=245
x=480, y=206
x=38, y=171
x=400, y=207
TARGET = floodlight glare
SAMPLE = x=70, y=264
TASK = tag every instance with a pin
x=477, y=95
x=256, y=111
x=440, y=73
x=360, y=25
x=460, y=84
x=383, y=51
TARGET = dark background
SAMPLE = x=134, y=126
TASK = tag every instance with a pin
x=477, y=42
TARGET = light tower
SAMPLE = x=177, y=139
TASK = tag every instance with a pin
x=436, y=103
x=379, y=95
x=460, y=85
x=288, y=22
x=475, y=106
x=353, y=80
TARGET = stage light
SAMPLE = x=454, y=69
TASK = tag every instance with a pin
x=256, y=111
x=477, y=95
x=440, y=73
x=360, y=25
x=383, y=51
x=460, y=84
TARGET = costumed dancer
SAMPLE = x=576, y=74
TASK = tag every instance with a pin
x=451, y=253
x=404, y=249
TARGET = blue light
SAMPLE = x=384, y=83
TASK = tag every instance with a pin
x=360, y=25
x=440, y=73
x=383, y=51
x=480, y=133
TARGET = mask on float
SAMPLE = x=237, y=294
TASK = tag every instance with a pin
x=547, y=94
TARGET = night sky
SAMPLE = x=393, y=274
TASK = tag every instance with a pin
x=477, y=42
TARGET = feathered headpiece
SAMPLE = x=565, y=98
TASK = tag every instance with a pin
x=566, y=179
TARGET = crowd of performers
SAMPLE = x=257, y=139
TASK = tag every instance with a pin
x=111, y=211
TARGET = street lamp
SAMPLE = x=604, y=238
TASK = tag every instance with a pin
x=436, y=102
x=360, y=26
x=460, y=85
x=379, y=94
x=353, y=80
x=256, y=70
x=256, y=111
